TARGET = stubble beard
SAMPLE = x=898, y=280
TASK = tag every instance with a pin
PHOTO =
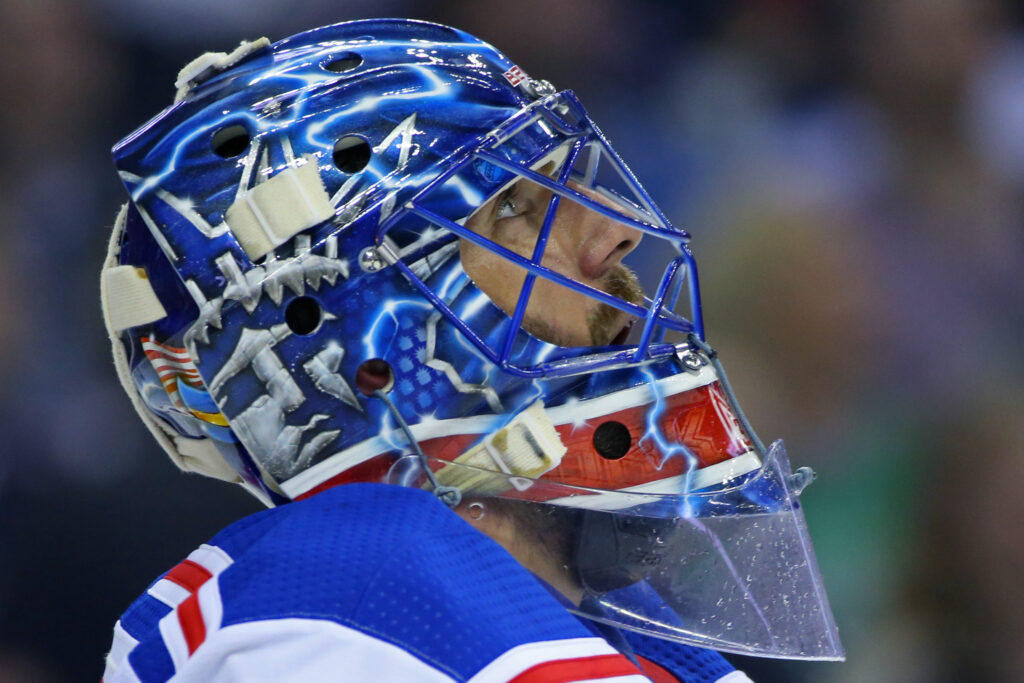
x=605, y=322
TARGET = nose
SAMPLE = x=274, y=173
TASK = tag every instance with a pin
x=598, y=242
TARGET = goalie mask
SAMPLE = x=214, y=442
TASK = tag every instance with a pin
x=380, y=252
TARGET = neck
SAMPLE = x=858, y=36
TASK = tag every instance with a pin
x=523, y=545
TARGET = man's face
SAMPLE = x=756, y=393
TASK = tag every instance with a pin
x=583, y=245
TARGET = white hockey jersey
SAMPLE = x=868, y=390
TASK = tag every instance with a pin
x=369, y=582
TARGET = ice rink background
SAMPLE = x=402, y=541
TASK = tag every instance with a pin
x=853, y=176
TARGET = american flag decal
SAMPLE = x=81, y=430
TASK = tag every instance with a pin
x=172, y=365
x=515, y=75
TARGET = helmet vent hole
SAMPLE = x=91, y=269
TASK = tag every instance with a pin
x=346, y=61
x=303, y=315
x=612, y=440
x=351, y=154
x=374, y=375
x=230, y=141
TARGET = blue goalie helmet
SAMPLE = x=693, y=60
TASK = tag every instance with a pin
x=379, y=251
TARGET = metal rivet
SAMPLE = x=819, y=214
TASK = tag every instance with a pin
x=691, y=360
x=370, y=260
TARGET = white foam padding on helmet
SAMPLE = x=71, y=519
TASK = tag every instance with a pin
x=213, y=62
x=201, y=456
x=274, y=211
x=191, y=455
x=128, y=298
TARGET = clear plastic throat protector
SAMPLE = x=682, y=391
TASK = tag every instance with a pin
x=730, y=568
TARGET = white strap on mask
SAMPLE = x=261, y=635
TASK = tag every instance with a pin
x=274, y=211
x=524, y=449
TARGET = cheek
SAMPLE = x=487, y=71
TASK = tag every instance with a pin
x=497, y=278
x=517, y=235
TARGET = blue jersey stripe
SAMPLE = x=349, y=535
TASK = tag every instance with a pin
x=151, y=661
x=142, y=617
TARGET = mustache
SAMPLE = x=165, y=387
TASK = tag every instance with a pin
x=606, y=321
x=622, y=282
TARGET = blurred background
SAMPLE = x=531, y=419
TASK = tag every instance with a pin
x=853, y=176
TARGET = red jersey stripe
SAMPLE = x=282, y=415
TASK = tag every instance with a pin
x=189, y=575
x=191, y=620
x=656, y=672
x=579, y=669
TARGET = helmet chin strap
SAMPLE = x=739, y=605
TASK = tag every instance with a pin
x=450, y=495
x=712, y=355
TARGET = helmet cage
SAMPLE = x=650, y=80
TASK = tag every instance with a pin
x=511, y=153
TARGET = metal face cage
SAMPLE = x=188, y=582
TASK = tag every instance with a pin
x=554, y=127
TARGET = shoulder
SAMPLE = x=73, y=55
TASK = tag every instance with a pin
x=388, y=575
x=397, y=565
x=664, y=660
x=364, y=552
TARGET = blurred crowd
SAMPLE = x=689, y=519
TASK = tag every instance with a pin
x=852, y=173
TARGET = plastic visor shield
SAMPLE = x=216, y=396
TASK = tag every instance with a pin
x=733, y=570
x=730, y=568
x=555, y=149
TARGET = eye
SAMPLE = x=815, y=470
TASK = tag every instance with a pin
x=508, y=205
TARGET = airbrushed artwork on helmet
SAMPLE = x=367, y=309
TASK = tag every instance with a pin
x=376, y=279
